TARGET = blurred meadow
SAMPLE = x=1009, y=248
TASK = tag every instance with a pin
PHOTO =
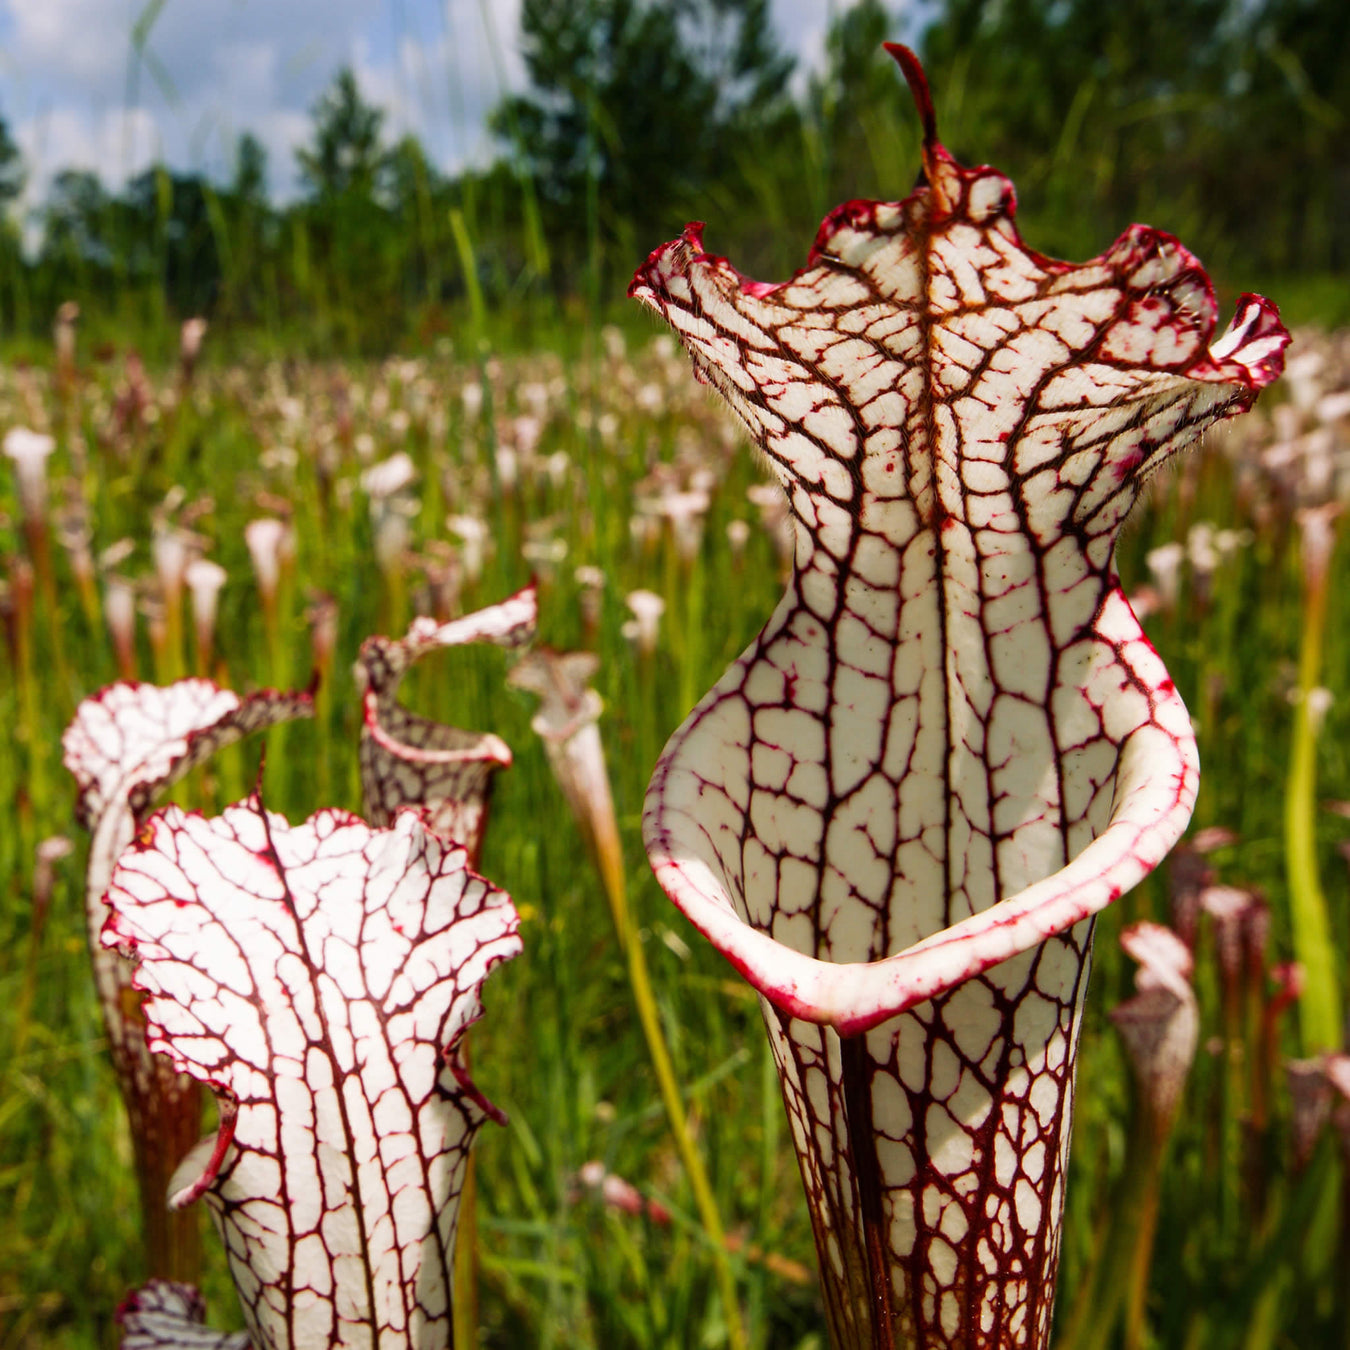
x=434, y=386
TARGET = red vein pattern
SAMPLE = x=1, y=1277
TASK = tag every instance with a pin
x=168, y=1316
x=319, y=978
x=124, y=745
x=952, y=745
x=407, y=760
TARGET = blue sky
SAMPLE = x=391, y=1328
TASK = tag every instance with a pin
x=75, y=95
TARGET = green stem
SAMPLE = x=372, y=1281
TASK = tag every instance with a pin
x=706, y=1202
x=1319, y=1009
x=1118, y=1282
x=609, y=860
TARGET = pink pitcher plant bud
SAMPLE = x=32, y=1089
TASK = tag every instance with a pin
x=1231, y=911
x=738, y=536
x=46, y=856
x=270, y=547
x=205, y=579
x=125, y=745
x=119, y=612
x=1319, y=1091
x=568, y=724
x=28, y=451
x=1212, y=838
x=644, y=628
x=1187, y=876
x=899, y=810
x=48, y=853
x=407, y=759
x=1160, y=1025
x=1310, y=1102
x=63, y=339
x=319, y=979
x=190, y=338
x=475, y=539
x=619, y=1194
x=322, y=617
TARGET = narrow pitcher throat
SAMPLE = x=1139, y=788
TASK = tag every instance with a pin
x=934, y=1164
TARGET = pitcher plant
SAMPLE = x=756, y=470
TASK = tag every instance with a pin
x=952, y=745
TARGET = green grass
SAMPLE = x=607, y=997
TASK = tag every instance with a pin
x=1241, y=1236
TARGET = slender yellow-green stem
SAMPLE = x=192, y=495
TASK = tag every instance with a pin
x=575, y=752
x=1319, y=1009
x=610, y=862
x=1118, y=1283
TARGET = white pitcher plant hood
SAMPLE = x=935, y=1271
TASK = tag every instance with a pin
x=407, y=759
x=125, y=745
x=952, y=745
x=318, y=978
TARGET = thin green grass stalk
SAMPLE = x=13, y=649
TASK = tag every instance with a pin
x=639, y=981
x=601, y=831
x=34, y=793
x=1117, y=1286
x=1319, y=1009
x=1264, y=1327
x=468, y=261
x=536, y=243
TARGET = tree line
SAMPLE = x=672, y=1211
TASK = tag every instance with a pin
x=1224, y=121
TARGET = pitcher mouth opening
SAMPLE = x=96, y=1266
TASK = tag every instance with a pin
x=1156, y=781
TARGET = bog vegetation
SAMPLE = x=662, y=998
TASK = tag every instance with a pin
x=527, y=426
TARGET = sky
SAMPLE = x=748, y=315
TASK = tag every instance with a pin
x=78, y=92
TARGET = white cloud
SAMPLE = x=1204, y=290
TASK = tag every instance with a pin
x=217, y=68
x=117, y=144
x=86, y=40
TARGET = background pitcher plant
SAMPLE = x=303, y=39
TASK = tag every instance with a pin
x=125, y=745
x=319, y=978
x=952, y=745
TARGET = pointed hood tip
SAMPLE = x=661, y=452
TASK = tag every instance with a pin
x=913, y=71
